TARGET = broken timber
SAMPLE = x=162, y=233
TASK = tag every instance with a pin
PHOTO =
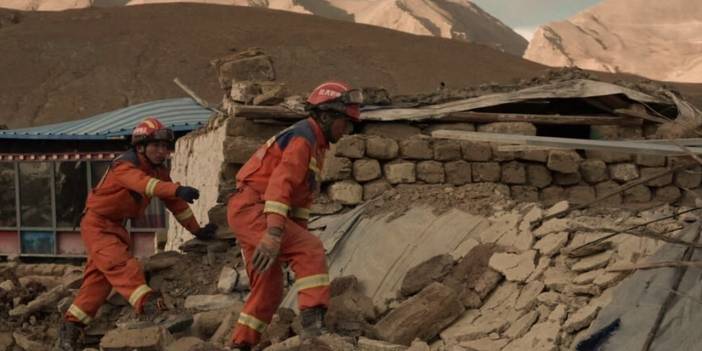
x=275, y=112
x=631, y=147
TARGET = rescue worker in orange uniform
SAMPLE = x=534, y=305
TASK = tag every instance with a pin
x=124, y=192
x=270, y=209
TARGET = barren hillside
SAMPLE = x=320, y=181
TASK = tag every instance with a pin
x=656, y=39
x=67, y=65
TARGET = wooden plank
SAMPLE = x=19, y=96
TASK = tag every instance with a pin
x=489, y=117
x=267, y=112
x=632, y=147
x=650, y=265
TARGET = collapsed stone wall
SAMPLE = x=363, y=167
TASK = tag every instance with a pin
x=197, y=160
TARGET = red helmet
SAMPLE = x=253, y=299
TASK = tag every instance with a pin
x=151, y=129
x=339, y=97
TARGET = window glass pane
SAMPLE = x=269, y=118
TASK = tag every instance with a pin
x=154, y=216
x=35, y=190
x=8, y=214
x=37, y=242
x=98, y=170
x=71, y=189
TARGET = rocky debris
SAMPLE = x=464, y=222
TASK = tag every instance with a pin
x=432, y=270
x=351, y=146
x=400, y=172
x=351, y=312
x=143, y=339
x=515, y=267
x=346, y=192
x=187, y=343
x=436, y=306
x=381, y=148
x=210, y=302
x=564, y=161
x=27, y=343
x=227, y=280
x=366, y=170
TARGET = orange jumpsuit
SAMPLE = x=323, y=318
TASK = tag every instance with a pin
x=124, y=192
x=280, y=180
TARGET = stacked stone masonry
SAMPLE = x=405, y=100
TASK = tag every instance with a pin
x=383, y=155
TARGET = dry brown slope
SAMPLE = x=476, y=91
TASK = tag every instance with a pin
x=60, y=66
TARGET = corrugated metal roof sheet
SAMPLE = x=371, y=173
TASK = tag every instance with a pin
x=181, y=114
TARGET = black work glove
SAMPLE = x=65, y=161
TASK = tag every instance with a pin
x=207, y=232
x=187, y=193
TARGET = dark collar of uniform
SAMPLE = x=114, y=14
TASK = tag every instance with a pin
x=321, y=139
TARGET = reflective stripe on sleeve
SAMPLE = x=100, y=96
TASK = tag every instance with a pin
x=138, y=293
x=184, y=215
x=83, y=317
x=312, y=281
x=251, y=322
x=276, y=207
x=151, y=186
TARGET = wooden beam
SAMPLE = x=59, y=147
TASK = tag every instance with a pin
x=490, y=117
x=277, y=112
x=267, y=112
x=650, y=265
x=632, y=147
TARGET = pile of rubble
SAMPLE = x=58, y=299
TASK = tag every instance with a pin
x=520, y=285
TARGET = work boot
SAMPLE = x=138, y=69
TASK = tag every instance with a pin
x=68, y=336
x=312, y=320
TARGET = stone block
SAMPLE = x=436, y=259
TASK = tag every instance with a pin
x=400, y=172
x=210, y=302
x=250, y=65
x=566, y=178
x=649, y=160
x=422, y=316
x=272, y=93
x=239, y=149
x=346, y=192
x=656, y=182
x=552, y=195
x=227, y=280
x=457, y=172
x=396, y=131
x=206, y=323
x=351, y=146
x=464, y=127
x=524, y=193
x=605, y=132
x=534, y=155
x=336, y=168
x=538, y=176
x=630, y=133
x=623, y=172
x=365, y=344
x=366, y=169
x=375, y=188
x=141, y=339
x=447, y=150
x=580, y=194
x=513, y=173
x=564, y=161
x=594, y=171
x=417, y=148
x=188, y=343
x=381, y=148
x=667, y=194
x=608, y=156
x=581, y=318
x=425, y=273
x=244, y=92
x=521, y=128
x=486, y=172
x=607, y=187
x=637, y=194
x=502, y=156
x=476, y=151
x=515, y=267
x=323, y=205
x=690, y=178
x=431, y=172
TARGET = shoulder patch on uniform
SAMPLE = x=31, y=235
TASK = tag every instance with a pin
x=299, y=129
x=129, y=156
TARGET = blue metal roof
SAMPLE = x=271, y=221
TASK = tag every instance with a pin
x=182, y=114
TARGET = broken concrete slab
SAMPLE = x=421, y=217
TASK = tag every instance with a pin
x=581, y=318
x=27, y=343
x=420, y=276
x=527, y=297
x=481, y=327
x=436, y=306
x=522, y=325
x=206, y=323
x=515, y=267
x=187, y=343
x=551, y=244
x=554, y=225
x=211, y=302
x=483, y=344
x=227, y=280
x=542, y=337
x=365, y=344
x=592, y=262
x=144, y=339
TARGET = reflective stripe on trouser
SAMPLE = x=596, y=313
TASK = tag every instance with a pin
x=110, y=265
x=300, y=248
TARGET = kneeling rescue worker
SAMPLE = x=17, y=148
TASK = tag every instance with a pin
x=270, y=209
x=124, y=192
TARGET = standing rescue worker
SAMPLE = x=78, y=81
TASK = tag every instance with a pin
x=124, y=192
x=270, y=209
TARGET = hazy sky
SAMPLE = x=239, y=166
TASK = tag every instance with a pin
x=526, y=15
